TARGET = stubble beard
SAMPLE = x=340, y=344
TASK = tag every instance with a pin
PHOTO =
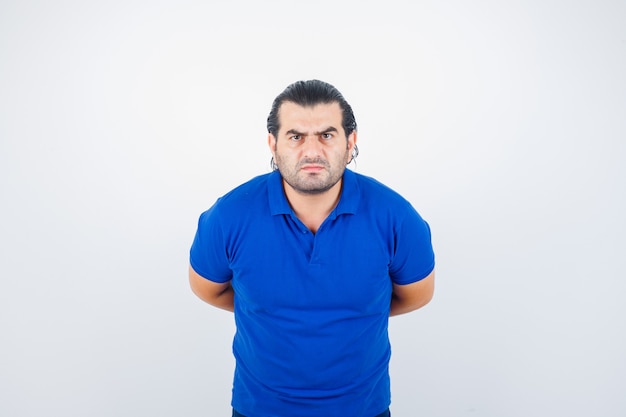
x=310, y=183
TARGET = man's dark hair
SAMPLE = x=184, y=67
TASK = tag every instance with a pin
x=308, y=94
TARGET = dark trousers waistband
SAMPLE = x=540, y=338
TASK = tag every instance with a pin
x=387, y=413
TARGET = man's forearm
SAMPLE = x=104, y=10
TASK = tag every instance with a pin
x=401, y=306
x=224, y=300
x=410, y=297
x=220, y=295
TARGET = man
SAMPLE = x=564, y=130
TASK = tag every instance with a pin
x=313, y=259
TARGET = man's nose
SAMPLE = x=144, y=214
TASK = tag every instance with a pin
x=312, y=146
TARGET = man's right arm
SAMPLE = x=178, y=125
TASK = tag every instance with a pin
x=217, y=294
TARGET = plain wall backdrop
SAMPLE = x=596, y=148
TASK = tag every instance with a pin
x=503, y=122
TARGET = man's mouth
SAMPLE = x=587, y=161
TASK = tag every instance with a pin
x=312, y=168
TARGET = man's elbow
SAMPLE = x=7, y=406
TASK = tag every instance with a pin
x=411, y=297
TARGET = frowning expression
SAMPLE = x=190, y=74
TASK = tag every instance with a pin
x=311, y=149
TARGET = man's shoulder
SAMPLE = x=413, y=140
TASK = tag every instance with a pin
x=373, y=189
x=250, y=189
x=247, y=197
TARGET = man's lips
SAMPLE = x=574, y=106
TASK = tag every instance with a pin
x=312, y=168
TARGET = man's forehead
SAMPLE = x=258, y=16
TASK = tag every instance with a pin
x=325, y=113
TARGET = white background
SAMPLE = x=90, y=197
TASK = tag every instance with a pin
x=503, y=122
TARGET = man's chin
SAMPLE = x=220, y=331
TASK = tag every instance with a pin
x=311, y=188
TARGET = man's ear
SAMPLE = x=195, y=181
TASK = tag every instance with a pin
x=352, y=137
x=352, y=140
x=271, y=142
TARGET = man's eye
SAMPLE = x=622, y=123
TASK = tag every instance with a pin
x=327, y=135
x=295, y=137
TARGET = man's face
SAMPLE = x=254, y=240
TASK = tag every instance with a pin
x=311, y=150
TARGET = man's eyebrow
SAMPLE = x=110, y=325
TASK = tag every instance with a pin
x=327, y=130
x=294, y=132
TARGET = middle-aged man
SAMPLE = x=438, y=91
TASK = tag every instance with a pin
x=313, y=259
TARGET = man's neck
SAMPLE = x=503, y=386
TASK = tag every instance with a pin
x=312, y=209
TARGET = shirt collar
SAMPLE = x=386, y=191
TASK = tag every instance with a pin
x=278, y=200
x=348, y=201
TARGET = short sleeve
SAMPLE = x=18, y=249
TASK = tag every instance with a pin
x=413, y=258
x=208, y=255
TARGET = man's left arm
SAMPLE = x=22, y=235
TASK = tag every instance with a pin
x=409, y=297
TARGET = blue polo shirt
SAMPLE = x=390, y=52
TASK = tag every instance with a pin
x=311, y=310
